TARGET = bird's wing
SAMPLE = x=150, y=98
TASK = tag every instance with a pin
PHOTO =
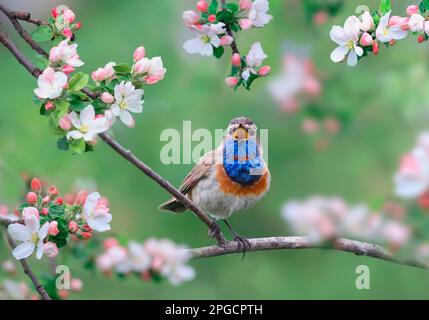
x=198, y=172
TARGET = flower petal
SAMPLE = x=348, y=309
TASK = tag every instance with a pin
x=339, y=54
x=24, y=250
x=19, y=232
x=127, y=118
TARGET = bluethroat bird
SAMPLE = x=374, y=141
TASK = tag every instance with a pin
x=232, y=178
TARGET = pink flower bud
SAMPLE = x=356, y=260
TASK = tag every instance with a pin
x=65, y=123
x=68, y=69
x=366, y=40
x=53, y=228
x=77, y=25
x=28, y=212
x=110, y=243
x=202, y=6
x=231, y=81
x=44, y=211
x=67, y=33
x=332, y=125
x=245, y=24
x=76, y=285
x=81, y=197
x=420, y=38
x=36, y=185
x=69, y=16
x=31, y=198
x=211, y=18
x=73, y=226
x=139, y=54
x=53, y=191
x=226, y=40
x=264, y=71
x=236, y=59
x=50, y=249
x=103, y=201
x=375, y=48
x=107, y=98
x=54, y=13
x=412, y=9
x=63, y=294
x=245, y=4
x=99, y=75
x=320, y=17
x=394, y=20
x=86, y=235
x=309, y=126
x=46, y=199
x=190, y=17
x=59, y=201
x=49, y=106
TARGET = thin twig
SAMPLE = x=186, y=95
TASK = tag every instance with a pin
x=276, y=243
x=24, y=34
x=26, y=16
x=27, y=270
x=230, y=33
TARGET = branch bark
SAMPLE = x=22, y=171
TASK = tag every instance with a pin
x=277, y=243
x=230, y=33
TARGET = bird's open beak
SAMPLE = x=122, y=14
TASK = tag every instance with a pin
x=241, y=134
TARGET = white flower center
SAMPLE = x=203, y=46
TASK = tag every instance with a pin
x=350, y=45
x=123, y=105
x=84, y=128
x=34, y=237
x=205, y=38
x=385, y=32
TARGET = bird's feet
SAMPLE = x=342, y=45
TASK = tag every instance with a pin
x=216, y=232
x=242, y=244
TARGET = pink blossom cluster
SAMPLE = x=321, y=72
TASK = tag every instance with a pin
x=213, y=30
x=48, y=221
x=14, y=290
x=64, y=21
x=363, y=35
x=412, y=176
x=326, y=218
x=154, y=258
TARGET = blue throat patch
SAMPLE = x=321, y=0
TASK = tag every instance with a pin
x=242, y=162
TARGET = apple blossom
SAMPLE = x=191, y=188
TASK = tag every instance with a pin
x=51, y=84
x=190, y=18
x=416, y=22
x=73, y=226
x=258, y=13
x=264, y=71
x=86, y=125
x=31, y=237
x=139, y=53
x=231, y=81
x=211, y=18
x=202, y=6
x=65, y=123
x=69, y=16
x=245, y=4
x=138, y=260
x=205, y=39
x=367, y=23
x=53, y=228
x=68, y=69
x=35, y=185
x=31, y=198
x=245, y=24
x=76, y=285
x=385, y=33
x=107, y=98
x=412, y=9
x=151, y=71
x=236, y=59
x=50, y=249
x=96, y=215
x=49, y=106
x=347, y=38
x=104, y=74
x=254, y=59
x=29, y=212
x=226, y=40
x=127, y=99
x=44, y=211
x=366, y=40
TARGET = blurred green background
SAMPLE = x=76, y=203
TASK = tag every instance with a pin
x=386, y=97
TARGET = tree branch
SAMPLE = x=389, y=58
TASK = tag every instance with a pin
x=27, y=270
x=230, y=33
x=24, y=34
x=276, y=243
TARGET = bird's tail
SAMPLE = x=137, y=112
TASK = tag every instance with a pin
x=173, y=205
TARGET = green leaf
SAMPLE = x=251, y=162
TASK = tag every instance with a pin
x=424, y=5
x=77, y=146
x=76, y=103
x=233, y=7
x=249, y=81
x=235, y=27
x=213, y=7
x=53, y=125
x=63, y=144
x=376, y=17
x=122, y=68
x=89, y=148
x=78, y=81
x=225, y=16
x=42, y=33
x=385, y=6
x=218, y=52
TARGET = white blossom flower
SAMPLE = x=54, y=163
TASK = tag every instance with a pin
x=127, y=99
x=385, y=33
x=416, y=22
x=367, y=23
x=31, y=237
x=258, y=13
x=206, y=37
x=12, y=290
x=254, y=59
x=66, y=53
x=347, y=39
x=96, y=215
x=51, y=84
x=137, y=260
x=412, y=178
x=87, y=125
x=152, y=70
